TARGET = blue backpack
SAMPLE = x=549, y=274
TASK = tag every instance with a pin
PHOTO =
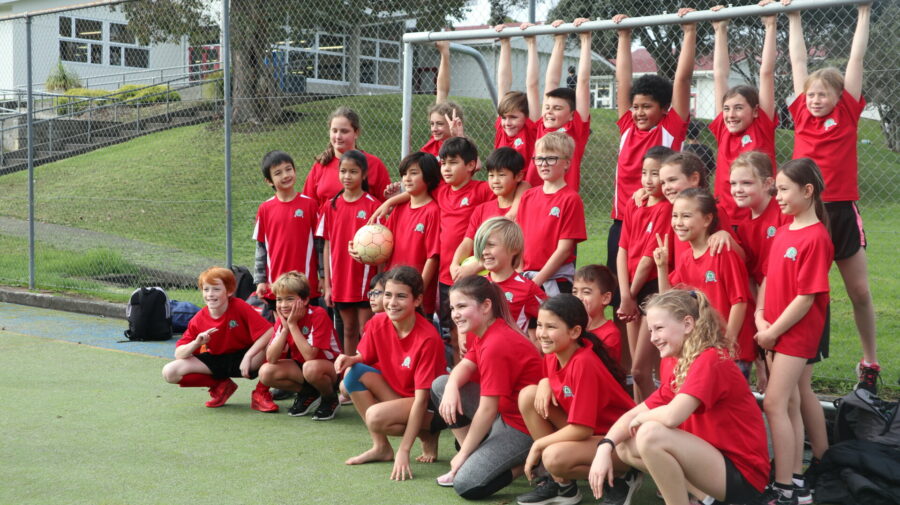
x=182, y=313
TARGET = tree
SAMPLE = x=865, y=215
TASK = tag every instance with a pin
x=881, y=70
x=255, y=28
x=500, y=10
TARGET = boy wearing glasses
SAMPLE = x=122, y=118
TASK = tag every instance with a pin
x=552, y=217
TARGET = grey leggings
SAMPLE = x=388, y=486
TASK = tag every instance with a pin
x=489, y=468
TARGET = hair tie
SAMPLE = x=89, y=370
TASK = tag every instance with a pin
x=693, y=294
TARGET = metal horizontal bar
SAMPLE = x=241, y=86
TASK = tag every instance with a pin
x=638, y=22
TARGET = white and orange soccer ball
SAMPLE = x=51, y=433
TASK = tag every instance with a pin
x=374, y=244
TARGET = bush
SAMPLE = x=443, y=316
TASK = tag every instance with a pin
x=154, y=94
x=62, y=79
x=214, y=88
x=127, y=92
x=76, y=100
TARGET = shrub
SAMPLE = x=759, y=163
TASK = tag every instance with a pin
x=154, y=94
x=127, y=92
x=76, y=100
x=62, y=79
x=214, y=88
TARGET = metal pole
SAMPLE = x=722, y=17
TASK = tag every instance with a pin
x=30, y=122
x=662, y=19
x=531, y=11
x=406, y=121
x=226, y=60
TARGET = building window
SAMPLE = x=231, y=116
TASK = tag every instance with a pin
x=326, y=59
x=83, y=41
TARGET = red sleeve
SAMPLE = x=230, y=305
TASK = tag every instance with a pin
x=589, y=396
x=322, y=230
x=812, y=275
x=431, y=363
x=625, y=235
x=309, y=187
x=498, y=133
x=322, y=329
x=256, y=324
x=574, y=228
x=702, y=380
x=676, y=125
x=735, y=278
x=259, y=229
x=533, y=300
x=474, y=222
x=367, y=347
x=625, y=122
x=582, y=128
x=433, y=234
x=717, y=127
x=379, y=179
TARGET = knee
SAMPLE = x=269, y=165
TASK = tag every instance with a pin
x=555, y=461
x=376, y=419
x=313, y=371
x=473, y=485
x=526, y=399
x=437, y=388
x=267, y=374
x=170, y=373
x=652, y=436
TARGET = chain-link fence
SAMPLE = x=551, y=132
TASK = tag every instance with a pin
x=128, y=136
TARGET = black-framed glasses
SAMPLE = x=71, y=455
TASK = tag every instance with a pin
x=545, y=160
x=375, y=292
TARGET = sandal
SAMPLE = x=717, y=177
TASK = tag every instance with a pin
x=445, y=480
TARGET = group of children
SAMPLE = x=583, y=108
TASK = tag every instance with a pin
x=512, y=350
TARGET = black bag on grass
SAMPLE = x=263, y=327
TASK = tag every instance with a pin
x=863, y=416
x=244, y=278
x=149, y=315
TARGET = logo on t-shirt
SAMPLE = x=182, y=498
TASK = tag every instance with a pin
x=791, y=253
x=464, y=202
x=746, y=140
x=305, y=330
x=770, y=232
x=518, y=142
x=509, y=296
x=710, y=276
x=406, y=362
x=420, y=228
x=298, y=213
x=829, y=123
x=361, y=214
x=562, y=130
x=554, y=212
x=567, y=392
x=650, y=227
x=232, y=324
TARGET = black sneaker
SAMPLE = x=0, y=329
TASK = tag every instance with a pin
x=327, y=408
x=868, y=377
x=282, y=394
x=306, y=401
x=545, y=492
x=773, y=496
x=623, y=489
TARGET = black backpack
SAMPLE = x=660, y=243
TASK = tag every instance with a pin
x=244, y=282
x=149, y=315
x=863, y=416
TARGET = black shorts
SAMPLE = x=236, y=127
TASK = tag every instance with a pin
x=444, y=309
x=223, y=366
x=650, y=288
x=847, y=233
x=339, y=306
x=737, y=490
x=612, y=251
x=825, y=341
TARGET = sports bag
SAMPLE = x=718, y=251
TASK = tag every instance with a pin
x=244, y=282
x=149, y=315
x=182, y=313
x=863, y=416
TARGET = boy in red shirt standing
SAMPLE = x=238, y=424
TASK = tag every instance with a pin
x=225, y=339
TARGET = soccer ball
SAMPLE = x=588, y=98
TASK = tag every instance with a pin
x=374, y=244
x=473, y=259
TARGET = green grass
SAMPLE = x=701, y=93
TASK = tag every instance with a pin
x=120, y=435
x=167, y=189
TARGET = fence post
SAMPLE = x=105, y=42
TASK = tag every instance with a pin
x=30, y=121
x=406, y=122
x=226, y=71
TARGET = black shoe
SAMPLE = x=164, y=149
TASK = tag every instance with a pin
x=772, y=496
x=306, y=401
x=545, y=491
x=327, y=408
x=623, y=489
x=868, y=377
x=282, y=394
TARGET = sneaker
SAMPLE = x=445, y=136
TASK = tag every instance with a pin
x=549, y=492
x=282, y=394
x=803, y=495
x=261, y=400
x=868, y=377
x=306, y=401
x=623, y=489
x=773, y=496
x=445, y=480
x=220, y=393
x=327, y=408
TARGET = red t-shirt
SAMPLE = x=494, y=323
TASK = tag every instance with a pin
x=756, y=236
x=524, y=298
x=609, y=334
x=586, y=391
x=798, y=264
x=579, y=129
x=547, y=219
x=323, y=181
x=633, y=145
x=727, y=417
x=318, y=329
x=409, y=363
x=759, y=136
x=349, y=278
x=432, y=147
x=507, y=362
x=522, y=142
x=724, y=224
x=639, y=230
x=238, y=328
x=482, y=213
x=416, y=239
x=724, y=280
x=831, y=142
x=456, y=209
x=286, y=229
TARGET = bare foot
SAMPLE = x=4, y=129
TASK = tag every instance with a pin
x=372, y=455
x=429, y=447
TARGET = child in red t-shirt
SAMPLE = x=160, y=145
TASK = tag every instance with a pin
x=552, y=217
x=793, y=300
x=390, y=376
x=595, y=286
x=301, y=353
x=826, y=113
x=347, y=281
x=701, y=428
x=284, y=229
x=637, y=279
x=723, y=277
x=225, y=339
x=745, y=116
x=517, y=112
x=581, y=396
x=565, y=110
x=485, y=417
x=652, y=112
x=323, y=180
x=444, y=117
